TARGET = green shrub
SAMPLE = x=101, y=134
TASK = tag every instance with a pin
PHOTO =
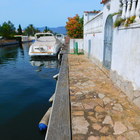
x=118, y=22
x=116, y=13
x=129, y=21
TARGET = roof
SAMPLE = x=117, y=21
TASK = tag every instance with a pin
x=92, y=11
x=104, y=1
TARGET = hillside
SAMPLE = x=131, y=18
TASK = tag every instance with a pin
x=60, y=30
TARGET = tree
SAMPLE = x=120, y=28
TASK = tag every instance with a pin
x=30, y=30
x=74, y=27
x=47, y=30
x=7, y=30
x=19, y=30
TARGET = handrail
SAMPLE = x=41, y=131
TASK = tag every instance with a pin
x=59, y=124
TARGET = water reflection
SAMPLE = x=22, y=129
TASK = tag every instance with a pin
x=26, y=84
x=21, y=49
x=44, y=62
x=8, y=54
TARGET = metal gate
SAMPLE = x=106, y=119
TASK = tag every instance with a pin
x=108, y=37
x=89, y=48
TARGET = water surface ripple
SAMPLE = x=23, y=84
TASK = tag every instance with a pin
x=25, y=87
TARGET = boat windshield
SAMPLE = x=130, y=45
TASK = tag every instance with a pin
x=59, y=35
x=47, y=37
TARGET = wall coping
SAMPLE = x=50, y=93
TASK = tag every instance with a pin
x=94, y=17
x=131, y=26
x=59, y=124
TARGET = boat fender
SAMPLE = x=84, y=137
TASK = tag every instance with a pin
x=52, y=98
x=56, y=76
x=60, y=54
x=58, y=57
x=43, y=124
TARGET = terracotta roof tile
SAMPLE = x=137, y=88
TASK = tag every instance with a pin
x=104, y=1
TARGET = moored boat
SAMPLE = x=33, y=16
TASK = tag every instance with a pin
x=46, y=44
x=61, y=38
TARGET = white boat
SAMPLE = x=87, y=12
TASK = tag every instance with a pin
x=46, y=44
x=61, y=38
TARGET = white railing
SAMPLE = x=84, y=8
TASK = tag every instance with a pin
x=131, y=8
x=95, y=25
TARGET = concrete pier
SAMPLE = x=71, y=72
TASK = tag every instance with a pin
x=59, y=125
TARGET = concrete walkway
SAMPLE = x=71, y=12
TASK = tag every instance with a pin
x=100, y=111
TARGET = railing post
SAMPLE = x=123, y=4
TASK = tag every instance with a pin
x=124, y=9
x=133, y=9
x=128, y=8
x=138, y=11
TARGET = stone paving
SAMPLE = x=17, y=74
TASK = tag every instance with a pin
x=99, y=110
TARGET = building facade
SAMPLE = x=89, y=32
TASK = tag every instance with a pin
x=112, y=41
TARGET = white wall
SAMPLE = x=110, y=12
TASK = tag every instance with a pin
x=27, y=38
x=80, y=44
x=94, y=31
x=125, y=48
x=96, y=45
x=88, y=16
x=126, y=55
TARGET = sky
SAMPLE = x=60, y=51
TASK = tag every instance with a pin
x=40, y=13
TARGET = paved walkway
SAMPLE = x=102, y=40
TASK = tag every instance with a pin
x=99, y=110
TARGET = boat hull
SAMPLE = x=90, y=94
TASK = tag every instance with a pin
x=45, y=46
x=42, y=54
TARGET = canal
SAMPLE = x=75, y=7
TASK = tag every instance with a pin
x=25, y=87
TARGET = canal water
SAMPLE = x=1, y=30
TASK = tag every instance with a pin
x=25, y=87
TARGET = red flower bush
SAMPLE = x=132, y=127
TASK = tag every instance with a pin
x=74, y=27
